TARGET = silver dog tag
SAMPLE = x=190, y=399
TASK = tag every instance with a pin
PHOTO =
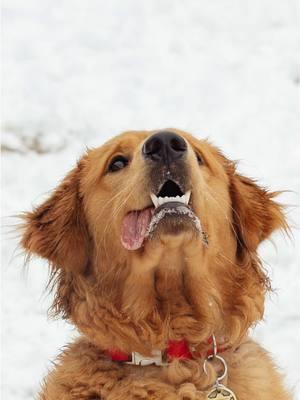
x=221, y=392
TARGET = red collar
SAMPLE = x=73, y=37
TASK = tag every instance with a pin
x=176, y=349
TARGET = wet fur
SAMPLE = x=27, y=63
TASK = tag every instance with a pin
x=172, y=288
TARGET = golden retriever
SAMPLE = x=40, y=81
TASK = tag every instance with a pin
x=152, y=241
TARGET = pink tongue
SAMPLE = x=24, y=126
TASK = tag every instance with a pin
x=134, y=228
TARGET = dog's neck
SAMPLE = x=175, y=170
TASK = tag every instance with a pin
x=154, y=286
x=165, y=283
x=163, y=293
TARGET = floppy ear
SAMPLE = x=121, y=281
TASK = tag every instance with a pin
x=56, y=230
x=255, y=214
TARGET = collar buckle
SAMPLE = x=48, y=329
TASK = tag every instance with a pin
x=139, y=359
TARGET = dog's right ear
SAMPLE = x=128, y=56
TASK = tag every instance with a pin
x=57, y=230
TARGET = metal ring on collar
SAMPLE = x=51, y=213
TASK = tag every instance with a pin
x=224, y=364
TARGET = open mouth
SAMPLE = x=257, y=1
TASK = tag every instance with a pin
x=170, y=201
x=170, y=193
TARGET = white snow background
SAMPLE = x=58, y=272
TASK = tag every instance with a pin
x=78, y=72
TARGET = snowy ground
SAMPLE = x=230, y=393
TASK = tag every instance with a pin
x=77, y=72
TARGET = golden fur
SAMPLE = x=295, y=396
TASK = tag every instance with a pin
x=171, y=288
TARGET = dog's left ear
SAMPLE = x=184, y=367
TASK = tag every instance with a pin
x=255, y=214
x=56, y=230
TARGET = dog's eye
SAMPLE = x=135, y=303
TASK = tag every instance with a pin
x=117, y=163
x=199, y=159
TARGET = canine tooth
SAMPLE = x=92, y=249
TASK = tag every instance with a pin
x=187, y=197
x=160, y=200
x=154, y=200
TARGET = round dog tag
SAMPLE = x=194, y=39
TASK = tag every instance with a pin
x=220, y=392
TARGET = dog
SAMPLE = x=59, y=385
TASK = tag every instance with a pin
x=152, y=242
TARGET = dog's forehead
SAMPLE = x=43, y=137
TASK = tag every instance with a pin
x=127, y=140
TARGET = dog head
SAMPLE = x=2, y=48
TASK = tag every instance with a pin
x=156, y=226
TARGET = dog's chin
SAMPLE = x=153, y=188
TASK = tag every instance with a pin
x=173, y=220
x=172, y=225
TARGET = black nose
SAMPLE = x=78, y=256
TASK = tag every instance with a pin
x=165, y=147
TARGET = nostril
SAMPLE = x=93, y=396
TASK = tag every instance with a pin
x=178, y=144
x=152, y=147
